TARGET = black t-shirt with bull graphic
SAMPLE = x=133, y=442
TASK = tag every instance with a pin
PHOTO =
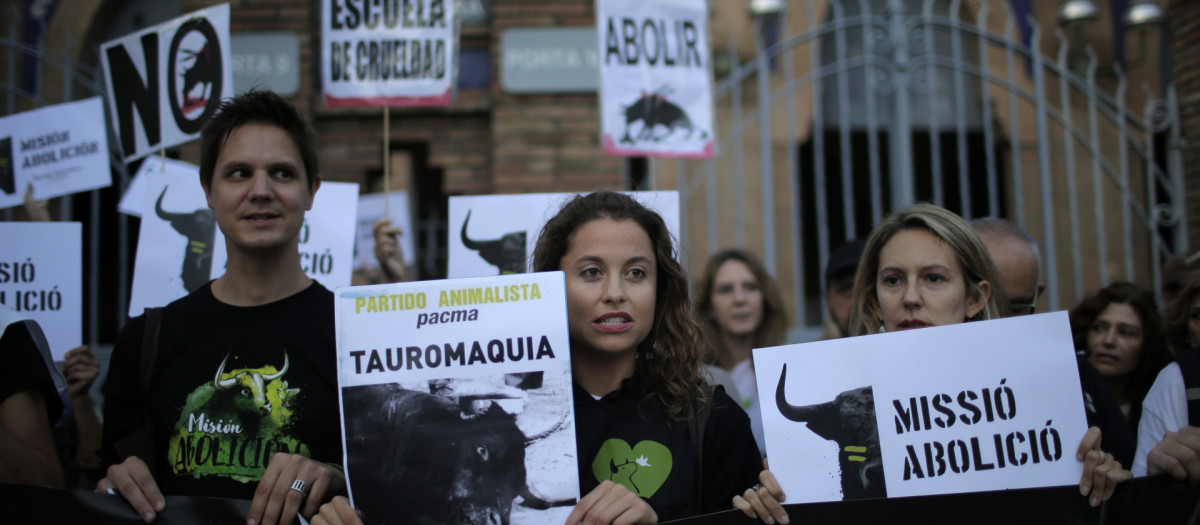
x=232, y=385
x=629, y=439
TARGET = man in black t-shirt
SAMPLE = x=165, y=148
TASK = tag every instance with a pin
x=242, y=393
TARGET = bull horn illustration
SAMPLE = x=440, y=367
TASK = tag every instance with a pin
x=281, y=371
x=223, y=384
x=471, y=245
x=164, y=214
x=800, y=414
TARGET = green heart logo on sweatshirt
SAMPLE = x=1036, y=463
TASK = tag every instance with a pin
x=641, y=469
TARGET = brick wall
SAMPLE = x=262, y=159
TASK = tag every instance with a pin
x=1184, y=17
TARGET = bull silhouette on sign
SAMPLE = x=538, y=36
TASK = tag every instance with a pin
x=653, y=110
x=202, y=71
x=849, y=421
x=199, y=227
x=506, y=253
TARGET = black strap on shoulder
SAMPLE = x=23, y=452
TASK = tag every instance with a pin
x=696, y=425
x=1189, y=364
x=149, y=352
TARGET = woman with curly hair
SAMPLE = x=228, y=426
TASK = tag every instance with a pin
x=740, y=308
x=1182, y=323
x=1120, y=329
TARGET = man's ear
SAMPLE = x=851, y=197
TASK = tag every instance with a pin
x=316, y=185
x=207, y=192
x=978, y=300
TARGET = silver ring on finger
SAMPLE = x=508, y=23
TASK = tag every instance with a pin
x=300, y=486
x=110, y=491
x=756, y=487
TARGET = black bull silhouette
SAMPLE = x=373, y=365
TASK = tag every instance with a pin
x=199, y=227
x=434, y=459
x=849, y=421
x=653, y=109
x=506, y=253
x=201, y=72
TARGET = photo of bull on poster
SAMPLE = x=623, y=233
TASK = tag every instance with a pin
x=135, y=194
x=41, y=278
x=164, y=82
x=388, y=53
x=496, y=234
x=980, y=406
x=60, y=149
x=655, y=78
x=455, y=408
x=177, y=242
x=371, y=208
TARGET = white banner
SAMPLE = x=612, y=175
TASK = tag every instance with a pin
x=327, y=237
x=60, y=149
x=978, y=406
x=455, y=408
x=164, y=82
x=41, y=278
x=370, y=209
x=135, y=195
x=655, y=78
x=388, y=53
x=496, y=234
x=177, y=242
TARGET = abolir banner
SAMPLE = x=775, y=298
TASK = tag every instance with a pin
x=988, y=405
x=60, y=149
x=41, y=278
x=455, y=407
x=655, y=78
x=388, y=53
x=164, y=82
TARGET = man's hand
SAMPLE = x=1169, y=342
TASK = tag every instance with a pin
x=1101, y=472
x=612, y=503
x=80, y=369
x=763, y=501
x=275, y=501
x=388, y=251
x=133, y=481
x=337, y=512
x=1177, y=455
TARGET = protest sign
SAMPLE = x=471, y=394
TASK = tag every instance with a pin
x=41, y=278
x=60, y=149
x=655, y=80
x=177, y=241
x=326, y=238
x=370, y=209
x=455, y=408
x=388, y=53
x=135, y=194
x=164, y=82
x=496, y=234
x=978, y=406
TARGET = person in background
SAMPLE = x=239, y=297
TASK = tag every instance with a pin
x=1182, y=322
x=1169, y=432
x=740, y=309
x=1175, y=274
x=839, y=287
x=1120, y=329
x=78, y=432
x=924, y=266
x=28, y=403
x=388, y=251
x=1018, y=259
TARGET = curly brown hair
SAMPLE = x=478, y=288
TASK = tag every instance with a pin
x=772, y=331
x=1154, y=354
x=669, y=358
x=1176, y=324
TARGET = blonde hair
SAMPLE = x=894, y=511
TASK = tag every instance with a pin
x=771, y=330
x=969, y=250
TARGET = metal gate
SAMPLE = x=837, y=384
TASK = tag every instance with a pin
x=877, y=104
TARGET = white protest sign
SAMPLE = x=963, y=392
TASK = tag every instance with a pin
x=326, y=238
x=166, y=81
x=501, y=231
x=388, y=53
x=370, y=209
x=989, y=405
x=135, y=195
x=177, y=242
x=655, y=80
x=41, y=278
x=60, y=149
x=448, y=380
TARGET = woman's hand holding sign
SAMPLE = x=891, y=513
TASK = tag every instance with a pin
x=763, y=501
x=1101, y=472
